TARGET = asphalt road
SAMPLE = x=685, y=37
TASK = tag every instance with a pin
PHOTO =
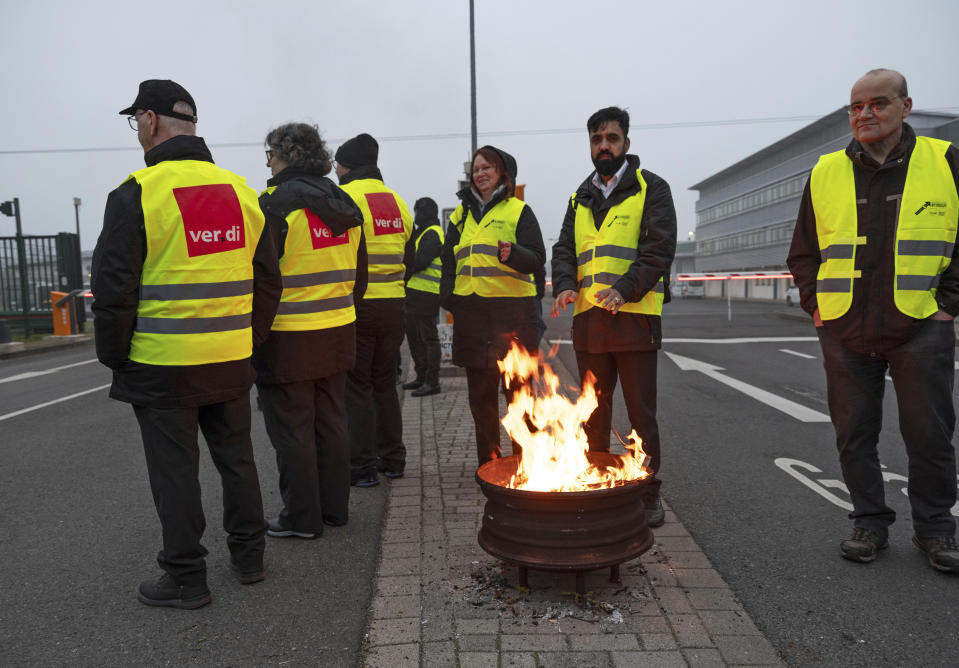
x=79, y=532
x=773, y=538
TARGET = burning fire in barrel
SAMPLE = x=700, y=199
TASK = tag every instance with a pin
x=557, y=506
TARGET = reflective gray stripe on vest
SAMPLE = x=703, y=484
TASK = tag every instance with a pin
x=584, y=257
x=618, y=252
x=314, y=305
x=488, y=272
x=837, y=252
x=427, y=277
x=484, y=249
x=319, y=278
x=834, y=285
x=930, y=248
x=385, y=278
x=224, y=323
x=607, y=278
x=384, y=258
x=463, y=253
x=913, y=282
x=196, y=290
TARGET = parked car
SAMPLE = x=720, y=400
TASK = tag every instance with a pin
x=792, y=296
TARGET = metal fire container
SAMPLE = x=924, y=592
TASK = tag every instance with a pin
x=562, y=531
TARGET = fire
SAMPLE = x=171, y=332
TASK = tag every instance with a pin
x=549, y=427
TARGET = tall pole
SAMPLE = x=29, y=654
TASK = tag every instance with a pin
x=22, y=261
x=472, y=83
x=76, y=210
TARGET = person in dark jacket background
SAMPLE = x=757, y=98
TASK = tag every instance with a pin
x=302, y=366
x=185, y=286
x=493, y=247
x=612, y=256
x=423, y=299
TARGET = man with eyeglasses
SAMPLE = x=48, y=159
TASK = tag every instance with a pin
x=875, y=257
x=185, y=284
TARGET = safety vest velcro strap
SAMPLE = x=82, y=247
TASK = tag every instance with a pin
x=314, y=305
x=486, y=272
x=834, y=285
x=319, y=278
x=932, y=248
x=913, y=282
x=385, y=258
x=223, y=323
x=619, y=252
x=386, y=278
x=428, y=277
x=179, y=291
x=837, y=252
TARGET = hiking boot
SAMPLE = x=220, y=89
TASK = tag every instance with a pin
x=165, y=592
x=863, y=545
x=277, y=530
x=366, y=480
x=655, y=515
x=247, y=575
x=942, y=551
x=412, y=384
x=425, y=390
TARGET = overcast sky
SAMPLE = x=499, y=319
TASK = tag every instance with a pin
x=400, y=71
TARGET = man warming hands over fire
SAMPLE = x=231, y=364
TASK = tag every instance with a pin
x=616, y=245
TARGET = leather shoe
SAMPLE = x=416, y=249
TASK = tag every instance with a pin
x=165, y=592
x=368, y=480
x=247, y=575
x=425, y=390
x=942, y=551
x=276, y=530
x=655, y=515
x=412, y=384
x=863, y=545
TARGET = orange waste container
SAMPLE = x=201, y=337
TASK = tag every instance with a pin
x=62, y=315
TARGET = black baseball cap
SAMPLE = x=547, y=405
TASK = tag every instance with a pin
x=159, y=96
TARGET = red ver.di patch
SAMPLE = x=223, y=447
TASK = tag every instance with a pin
x=212, y=218
x=321, y=235
x=385, y=212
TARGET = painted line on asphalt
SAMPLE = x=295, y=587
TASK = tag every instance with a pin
x=50, y=403
x=34, y=374
x=748, y=339
x=797, y=354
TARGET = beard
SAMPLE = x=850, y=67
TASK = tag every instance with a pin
x=607, y=164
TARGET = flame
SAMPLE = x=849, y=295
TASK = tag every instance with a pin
x=549, y=428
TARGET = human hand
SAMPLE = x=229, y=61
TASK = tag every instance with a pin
x=504, y=250
x=562, y=299
x=941, y=315
x=816, y=320
x=610, y=299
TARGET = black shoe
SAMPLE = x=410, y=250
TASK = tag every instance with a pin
x=164, y=592
x=331, y=521
x=655, y=515
x=863, y=545
x=942, y=551
x=425, y=390
x=412, y=385
x=247, y=575
x=393, y=474
x=367, y=480
x=276, y=530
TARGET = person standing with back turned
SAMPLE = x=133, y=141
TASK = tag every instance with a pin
x=874, y=254
x=423, y=299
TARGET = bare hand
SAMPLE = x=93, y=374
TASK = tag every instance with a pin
x=941, y=315
x=610, y=299
x=562, y=299
x=504, y=250
x=816, y=320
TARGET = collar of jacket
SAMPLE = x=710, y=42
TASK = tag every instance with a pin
x=291, y=173
x=181, y=147
x=589, y=195
x=364, y=172
x=903, y=149
x=420, y=224
x=471, y=204
x=314, y=192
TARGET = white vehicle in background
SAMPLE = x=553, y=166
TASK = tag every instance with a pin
x=693, y=288
x=792, y=296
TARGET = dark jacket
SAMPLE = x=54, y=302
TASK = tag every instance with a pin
x=419, y=302
x=291, y=356
x=873, y=323
x=484, y=326
x=597, y=330
x=115, y=281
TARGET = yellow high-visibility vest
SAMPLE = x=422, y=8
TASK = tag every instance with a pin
x=428, y=280
x=925, y=233
x=387, y=225
x=319, y=271
x=202, y=226
x=604, y=255
x=478, y=269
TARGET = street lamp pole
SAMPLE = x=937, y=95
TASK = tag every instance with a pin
x=76, y=210
x=472, y=83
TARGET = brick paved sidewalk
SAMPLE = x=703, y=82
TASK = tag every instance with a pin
x=441, y=601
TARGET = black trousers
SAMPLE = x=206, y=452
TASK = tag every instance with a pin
x=923, y=375
x=173, y=462
x=307, y=425
x=637, y=375
x=373, y=407
x=483, y=386
x=424, y=343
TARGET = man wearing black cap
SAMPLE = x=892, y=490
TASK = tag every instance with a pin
x=376, y=424
x=423, y=299
x=614, y=250
x=185, y=286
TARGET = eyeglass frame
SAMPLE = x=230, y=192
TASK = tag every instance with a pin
x=872, y=105
x=269, y=154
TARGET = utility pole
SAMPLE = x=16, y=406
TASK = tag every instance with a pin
x=76, y=210
x=12, y=208
x=472, y=83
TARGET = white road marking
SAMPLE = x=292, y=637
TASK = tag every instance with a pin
x=790, y=466
x=34, y=374
x=797, y=354
x=748, y=339
x=50, y=403
x=782, y=404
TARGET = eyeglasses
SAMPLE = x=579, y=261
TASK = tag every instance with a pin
x=132, y=122
x=875, y=106
x=269, y=155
